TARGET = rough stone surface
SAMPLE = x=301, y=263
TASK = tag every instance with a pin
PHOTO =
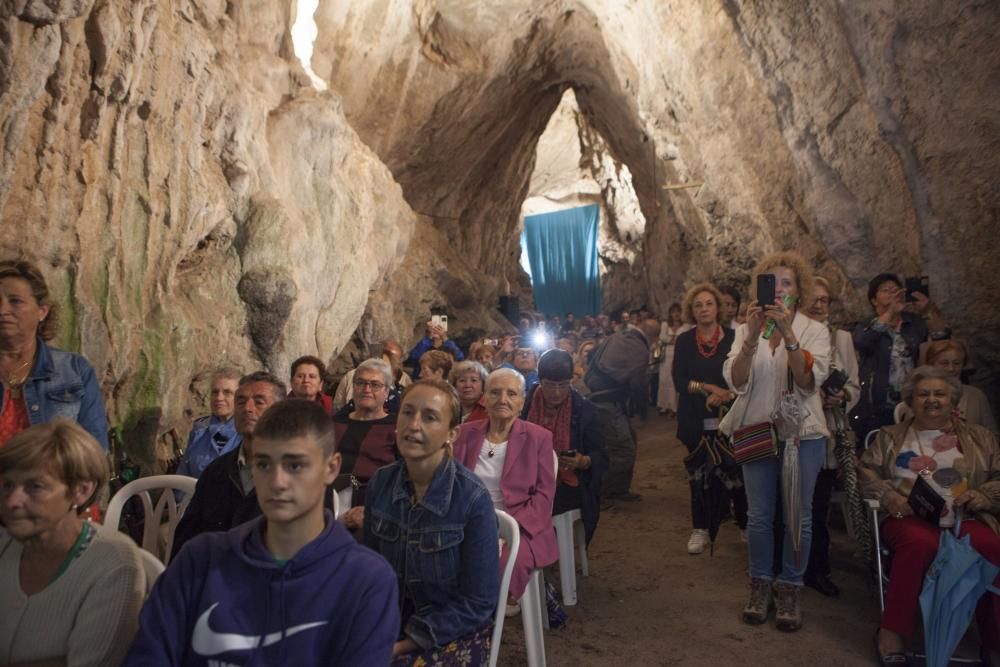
x=193, y=201
x=864, y=135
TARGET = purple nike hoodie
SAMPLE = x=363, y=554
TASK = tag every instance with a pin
x=224, y=601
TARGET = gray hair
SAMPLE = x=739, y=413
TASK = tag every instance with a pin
x=226, y=373
x=463, y=367
x=512, y=373
x=277, y=386
x=922, y=373
x=377, y=366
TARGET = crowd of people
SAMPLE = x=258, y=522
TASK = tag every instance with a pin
x=355, y=521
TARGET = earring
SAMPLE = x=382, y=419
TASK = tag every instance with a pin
x=74, y=507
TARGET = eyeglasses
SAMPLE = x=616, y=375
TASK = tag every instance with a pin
x=822, y=301
x=525, y=353
x=374, y=386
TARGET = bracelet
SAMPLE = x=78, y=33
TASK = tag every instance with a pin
x=794, y=346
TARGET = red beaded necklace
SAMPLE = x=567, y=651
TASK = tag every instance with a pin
x=707, y=348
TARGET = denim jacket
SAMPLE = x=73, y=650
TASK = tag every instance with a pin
x=443, y=548
x=210, y=438
x=63, y=384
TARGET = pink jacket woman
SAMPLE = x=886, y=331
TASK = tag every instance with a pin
x=528, y=485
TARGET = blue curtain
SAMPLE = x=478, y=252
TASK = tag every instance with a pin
x=562, y=253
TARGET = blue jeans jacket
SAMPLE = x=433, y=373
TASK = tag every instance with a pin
x=63, y=384
x=210, y=438
x=444, y=550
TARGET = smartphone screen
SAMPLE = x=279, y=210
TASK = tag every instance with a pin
x=766, y=285
x=920, y=284
x=444, y=323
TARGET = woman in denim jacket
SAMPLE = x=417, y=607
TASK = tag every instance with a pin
x=434, y=522
x=39, y=382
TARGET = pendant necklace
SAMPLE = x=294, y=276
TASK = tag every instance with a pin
x=13, y=383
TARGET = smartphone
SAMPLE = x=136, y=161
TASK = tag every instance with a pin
x=920, y=284
x=435, y=320
x=835, y=381
x=766, y=286
x=494, y=342
x=444, y=322
x=569, y=452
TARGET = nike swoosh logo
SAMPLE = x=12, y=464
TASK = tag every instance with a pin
x=207, y=642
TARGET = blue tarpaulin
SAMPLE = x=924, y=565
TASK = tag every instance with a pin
x=562, y=254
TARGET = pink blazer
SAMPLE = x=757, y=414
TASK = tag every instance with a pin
x=528, y=481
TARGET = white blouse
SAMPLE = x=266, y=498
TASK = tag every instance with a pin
x=490, y=468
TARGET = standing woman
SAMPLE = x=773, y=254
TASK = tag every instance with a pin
x=760, y=371
x=673, y=326
x=39, y=382
x=449, y=585
x=697, y=374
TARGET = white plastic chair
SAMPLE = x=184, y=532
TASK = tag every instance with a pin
x=511, y=534
x=534, y=618
x=570, y=536
x=153, y=516
x=153, y=568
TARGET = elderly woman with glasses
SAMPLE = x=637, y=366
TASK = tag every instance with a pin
x=366, y=436
x=515, y=461
x=576, y=437
x=960, y=462
x=70, y=589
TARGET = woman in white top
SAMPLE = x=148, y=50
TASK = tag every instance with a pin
x=516, y=462
x=670, y=329
x=758, y=371
x=70, y=590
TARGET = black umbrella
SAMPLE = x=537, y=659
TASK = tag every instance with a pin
x=713, y=474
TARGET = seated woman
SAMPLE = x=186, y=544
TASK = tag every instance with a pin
x=515, y=461
x=957, y=459
x=484, y=353
x=306, y=381
x=951, y=356
x=436, y=365
x=469, y=379
x=449, y=586
x=366, y=436
x=576, y=438
x=71, y=589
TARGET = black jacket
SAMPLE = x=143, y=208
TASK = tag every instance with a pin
x=619, y=371
x=585, y=438
x=690, y=365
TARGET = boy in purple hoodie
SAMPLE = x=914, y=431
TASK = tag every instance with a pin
x=289, y=588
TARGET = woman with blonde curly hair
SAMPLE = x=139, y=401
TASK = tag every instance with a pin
x=777, y=383
x=701, y=388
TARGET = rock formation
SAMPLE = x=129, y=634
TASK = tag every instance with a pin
x=195, y=201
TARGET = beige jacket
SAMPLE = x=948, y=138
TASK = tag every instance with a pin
x=979, y=445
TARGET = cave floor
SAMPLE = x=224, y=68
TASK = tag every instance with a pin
x=647, y=602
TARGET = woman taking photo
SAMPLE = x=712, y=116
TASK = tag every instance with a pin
x=782, y=371
x=948, y=454
x=673, y=326
x=469, y=380
x=515, y=460
x=448, y=586
x=39, y=382
x=697, y=374
x=70, y=589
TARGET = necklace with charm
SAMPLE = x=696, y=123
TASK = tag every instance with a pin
x=14, y=383
x=493, y=448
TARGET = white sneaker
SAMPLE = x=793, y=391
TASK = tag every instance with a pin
x=698, y=541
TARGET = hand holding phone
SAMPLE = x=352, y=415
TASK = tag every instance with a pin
x=766, y=288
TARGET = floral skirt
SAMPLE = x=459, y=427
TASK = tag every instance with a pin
x=469, y=651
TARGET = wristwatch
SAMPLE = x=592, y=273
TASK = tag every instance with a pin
x=794, y=346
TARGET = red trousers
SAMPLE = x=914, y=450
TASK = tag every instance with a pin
x=915, y=543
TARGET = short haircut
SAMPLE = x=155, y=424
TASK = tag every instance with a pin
x=921, y=373
x=62, y=448
x=556, y=365
x=31, y=274
x=820, y=281
x=227, y=374
x=939, y=347
x=790, y=260
x=688, y=309
x=878, y=280
x=730, y=291
x=454, y=402
x=380, y=366
x=463, y=367
x=509, y=372
x=438, y=360
x=280, y=390
x=297, y=418
x=312, y=361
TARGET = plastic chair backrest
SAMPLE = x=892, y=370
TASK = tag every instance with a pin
x=871, y=434
x=900, y=412
x=153, y=568
x=153, y=516
x=511, y=534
